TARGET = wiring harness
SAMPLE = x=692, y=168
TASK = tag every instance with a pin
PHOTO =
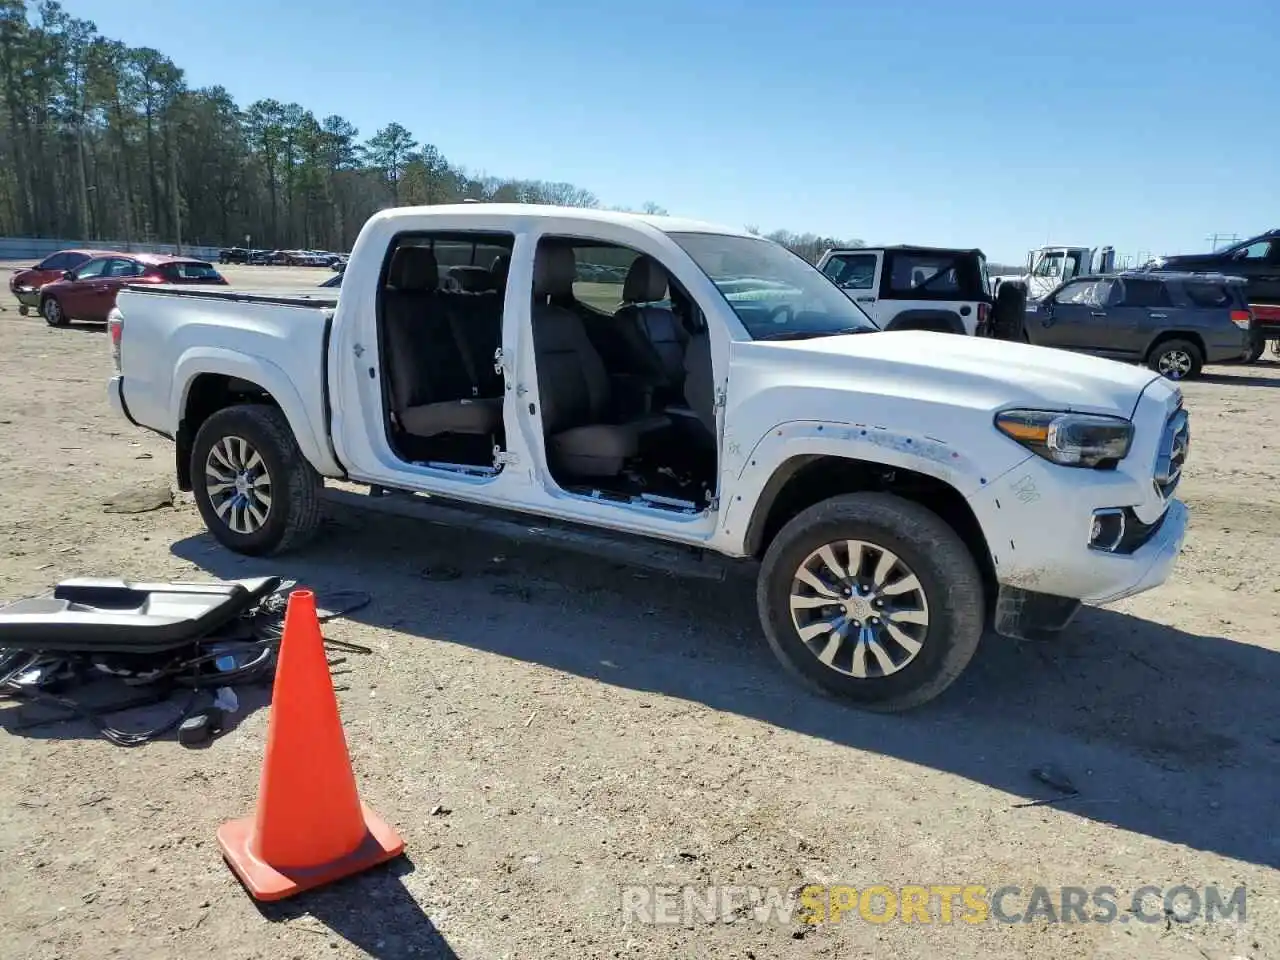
x=242, y=655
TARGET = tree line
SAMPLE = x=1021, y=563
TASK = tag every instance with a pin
x=101, y=140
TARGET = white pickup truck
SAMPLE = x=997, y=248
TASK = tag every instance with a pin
x=637, y=379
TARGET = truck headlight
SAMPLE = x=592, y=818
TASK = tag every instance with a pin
x=1071, y=439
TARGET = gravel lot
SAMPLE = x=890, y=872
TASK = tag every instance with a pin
x=544, y=728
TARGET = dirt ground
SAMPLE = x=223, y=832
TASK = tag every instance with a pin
x=545, y=729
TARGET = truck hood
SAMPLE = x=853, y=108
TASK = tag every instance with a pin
x=967, y=371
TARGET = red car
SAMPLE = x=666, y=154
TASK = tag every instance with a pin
x=89, y=291
x=25, y=284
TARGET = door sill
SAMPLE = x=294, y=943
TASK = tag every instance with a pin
x=630, y=549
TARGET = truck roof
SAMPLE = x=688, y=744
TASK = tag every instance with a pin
x=542, y=211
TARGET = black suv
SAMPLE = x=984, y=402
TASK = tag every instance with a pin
x=1173, y=322
x=1258, y=261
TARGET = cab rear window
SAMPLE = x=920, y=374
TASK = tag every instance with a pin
x=188, y=271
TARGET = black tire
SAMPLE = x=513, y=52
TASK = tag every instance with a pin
x=947, y=574
x=294, y=513
x=1182, y=354
x=1257, y=347
x=1009, y=314
x=51, y=310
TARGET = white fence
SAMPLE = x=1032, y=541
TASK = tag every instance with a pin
x=37, y=248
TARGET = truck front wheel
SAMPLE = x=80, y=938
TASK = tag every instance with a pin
x=873, y=599
x=255, y=490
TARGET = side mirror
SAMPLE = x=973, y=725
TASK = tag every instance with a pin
x=68, y=274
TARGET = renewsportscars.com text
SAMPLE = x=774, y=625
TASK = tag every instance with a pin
x=931, y=904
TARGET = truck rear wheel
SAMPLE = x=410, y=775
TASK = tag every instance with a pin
x=873, y=599
x=255, y=490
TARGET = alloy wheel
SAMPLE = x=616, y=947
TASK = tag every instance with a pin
x=238, y=484
x=859, y=609
x=1175, y=364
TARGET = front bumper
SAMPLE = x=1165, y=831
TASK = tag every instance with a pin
x=1149, y=565
x=27, y=296
x=1038, y=517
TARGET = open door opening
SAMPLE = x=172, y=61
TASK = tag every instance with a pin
x=624, y=375
x=440, y=315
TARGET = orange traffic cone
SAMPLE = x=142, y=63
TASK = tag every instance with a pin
x=310, y=827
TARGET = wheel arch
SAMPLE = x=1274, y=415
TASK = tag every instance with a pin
x=807, y=479
x=1191, y=336
x=206, y=383
x=941, y=321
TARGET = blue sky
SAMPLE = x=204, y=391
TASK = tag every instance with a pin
x=1003, y=125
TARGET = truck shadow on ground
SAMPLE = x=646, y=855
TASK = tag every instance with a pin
x=1164, y=733
x=1237, y=380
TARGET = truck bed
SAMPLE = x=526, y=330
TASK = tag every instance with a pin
x=301, y=297
x=174, y=339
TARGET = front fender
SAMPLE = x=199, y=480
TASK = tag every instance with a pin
x=309, y=432
x=850, y=441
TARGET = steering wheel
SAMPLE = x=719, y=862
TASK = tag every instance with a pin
x=790, y=311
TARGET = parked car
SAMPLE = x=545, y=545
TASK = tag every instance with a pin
x=25, y=285
x=334, y=281
x=1257, y=260
x=234, y=255
x=894, y=492
x=89, y=292
x=923, y=288
x=1173, y=322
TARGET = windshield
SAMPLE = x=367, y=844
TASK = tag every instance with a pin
x=776, y=294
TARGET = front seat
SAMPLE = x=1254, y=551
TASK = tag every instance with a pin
x=699, y=380
x=573, y=382
x=430, y=391
x=655, y=340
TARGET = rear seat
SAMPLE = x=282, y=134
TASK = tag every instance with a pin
x=433, y=389
x=473, y=279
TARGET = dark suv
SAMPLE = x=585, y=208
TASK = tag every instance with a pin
x=1173, y=322
x=1257, y=260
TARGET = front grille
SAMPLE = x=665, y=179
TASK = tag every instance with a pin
x=1172, y=455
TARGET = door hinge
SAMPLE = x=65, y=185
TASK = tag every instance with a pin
x=497, y=360
x=504, y=457
x=721, y=397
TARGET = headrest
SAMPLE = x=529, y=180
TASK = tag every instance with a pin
x=413, y=268
x=554, y=270
x=500, y=268
x=472, y=279
x=646, y=281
